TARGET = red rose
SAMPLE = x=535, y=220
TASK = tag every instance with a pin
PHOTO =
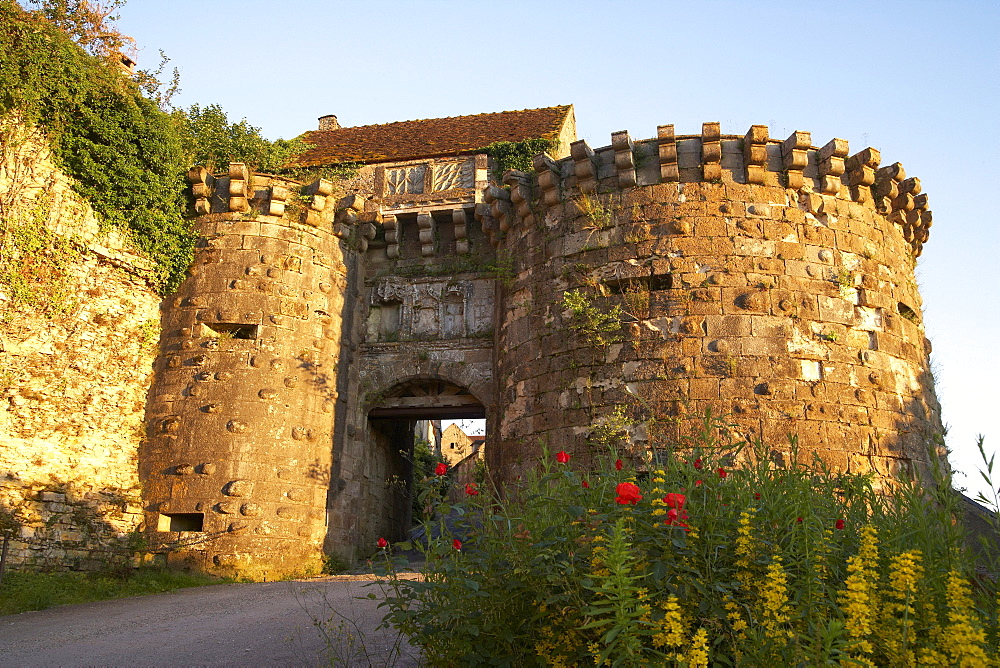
x=441, y=469
x=697, y=483
x=383, y=543
x=676, y=518
x=697, y=463
x=799, y=520
x=722, y=473
x=756, y=495
x=618, y=465
x=674, y=500
x=627, y=493
x=562, y=457
x=457, y=544
x=470, y=489
x=586, y=485
x=839, y=524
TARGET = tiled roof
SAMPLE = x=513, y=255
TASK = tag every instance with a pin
x=428, y=138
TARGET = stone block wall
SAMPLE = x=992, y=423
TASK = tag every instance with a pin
x=771, y=281
x=75, y=363
x=240, y=418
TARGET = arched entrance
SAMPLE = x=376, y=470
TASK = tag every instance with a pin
x=392, y=426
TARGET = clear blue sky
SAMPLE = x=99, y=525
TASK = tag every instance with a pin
x=918, y=80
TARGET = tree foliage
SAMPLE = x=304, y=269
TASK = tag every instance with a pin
x=88, y=23
x=209, y=139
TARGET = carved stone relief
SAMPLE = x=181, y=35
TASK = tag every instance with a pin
x=429, y=310
x=405, y=180
x=451, y=175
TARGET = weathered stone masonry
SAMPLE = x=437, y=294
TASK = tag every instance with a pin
x=75, y=365
x=240, y=417
x=770, y=280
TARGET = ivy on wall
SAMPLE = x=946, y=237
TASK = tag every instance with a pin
x=122, y=151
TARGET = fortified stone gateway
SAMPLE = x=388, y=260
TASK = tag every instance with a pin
x=770, y=280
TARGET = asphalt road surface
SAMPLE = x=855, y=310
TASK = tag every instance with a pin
x=297, y=623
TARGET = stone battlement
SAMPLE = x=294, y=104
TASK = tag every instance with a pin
x=753, y=159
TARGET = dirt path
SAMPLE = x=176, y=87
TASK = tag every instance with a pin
x=265, y=624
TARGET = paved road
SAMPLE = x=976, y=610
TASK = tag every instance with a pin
x=297, y=623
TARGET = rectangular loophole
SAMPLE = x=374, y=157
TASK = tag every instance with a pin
x=232, y=330
x=653, y=283
x=659, y=282
x=181, y=522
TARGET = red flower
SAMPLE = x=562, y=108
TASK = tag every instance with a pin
x=441, y=469
x=799, y=520
x=756, y=495
x=586, y=485
x=697, y=463
x=674, y=500
x=676, y=518
x=839, y=524
x=618, y=465
x=627, y=493
x=697, y=483
x=383, y=543
x=457, y=544
x=562, y=457
x=470, y=489
x=722, y=473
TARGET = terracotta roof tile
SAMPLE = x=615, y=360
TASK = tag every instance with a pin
x=427, y=138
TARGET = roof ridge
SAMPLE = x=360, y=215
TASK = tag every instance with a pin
x=431, y=137
x=447, y=118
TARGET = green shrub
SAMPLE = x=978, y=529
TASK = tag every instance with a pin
x=517, y=155
x=126, y=155
x=209, y=139
x=697, y=564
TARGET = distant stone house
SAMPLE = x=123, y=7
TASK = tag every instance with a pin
x=456, y=445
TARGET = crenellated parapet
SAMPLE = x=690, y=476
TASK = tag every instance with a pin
x=793, y=163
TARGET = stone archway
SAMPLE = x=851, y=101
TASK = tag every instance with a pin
x=391, y=435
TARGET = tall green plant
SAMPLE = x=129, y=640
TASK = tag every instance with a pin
x=693, y=563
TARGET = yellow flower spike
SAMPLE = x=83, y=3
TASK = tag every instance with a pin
x=698, y=655
x=897, y=630
x=858, y=599
x=671, y=630
x=774, y=599
x=963, y=638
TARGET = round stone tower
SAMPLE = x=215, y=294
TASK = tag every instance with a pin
x=769, y=281
x=236, y=464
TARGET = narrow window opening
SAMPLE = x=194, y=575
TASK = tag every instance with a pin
x=181, y=522
x=661, y=282
x=620, y=286
x=906, y=312
x=231, y=330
